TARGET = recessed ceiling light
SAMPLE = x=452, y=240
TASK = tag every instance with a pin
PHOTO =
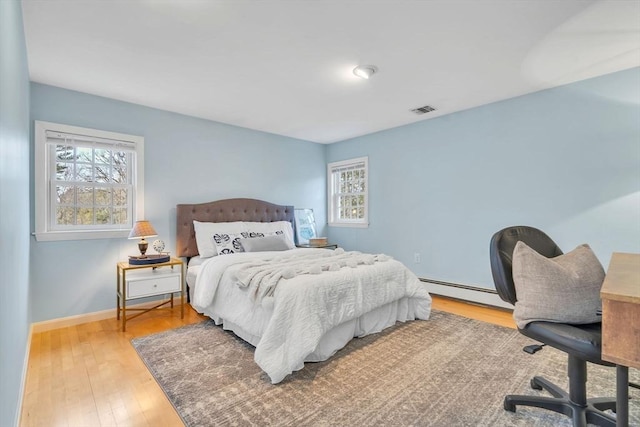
x=365, y=71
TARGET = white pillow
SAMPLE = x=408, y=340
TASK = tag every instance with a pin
x=270, y=228
x=206, y=230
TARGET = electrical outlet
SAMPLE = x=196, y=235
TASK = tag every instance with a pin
x=416, y=257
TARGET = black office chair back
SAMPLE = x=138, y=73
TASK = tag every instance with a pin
x=501, y=252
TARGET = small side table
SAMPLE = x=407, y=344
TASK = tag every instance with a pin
x=141, y=281
x=327, y=246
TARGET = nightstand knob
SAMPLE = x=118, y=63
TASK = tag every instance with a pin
x=155, y=286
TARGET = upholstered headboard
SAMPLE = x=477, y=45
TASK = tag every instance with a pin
x=228, y=210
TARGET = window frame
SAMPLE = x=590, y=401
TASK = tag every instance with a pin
x=43, y=203
x=333, y=195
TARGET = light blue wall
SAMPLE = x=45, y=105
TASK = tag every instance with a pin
x=14, y=208
x=187, y=160
x=566, y=160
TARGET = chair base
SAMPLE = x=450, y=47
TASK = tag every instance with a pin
x=591, y=412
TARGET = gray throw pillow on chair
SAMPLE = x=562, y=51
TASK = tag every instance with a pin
x=564, y=289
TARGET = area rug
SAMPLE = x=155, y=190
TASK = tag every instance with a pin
x=447, y=371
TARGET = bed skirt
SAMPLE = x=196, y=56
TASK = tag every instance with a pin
x=372, y=322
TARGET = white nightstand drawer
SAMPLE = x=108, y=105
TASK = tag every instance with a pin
x=156, y=283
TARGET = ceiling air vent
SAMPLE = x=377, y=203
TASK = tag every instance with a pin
x=423, y=110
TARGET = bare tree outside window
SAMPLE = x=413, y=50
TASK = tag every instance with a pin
x=92, y=185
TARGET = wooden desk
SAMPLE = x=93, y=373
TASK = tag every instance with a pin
x=620, y=295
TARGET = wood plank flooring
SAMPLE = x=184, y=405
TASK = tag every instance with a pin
x=89, y=375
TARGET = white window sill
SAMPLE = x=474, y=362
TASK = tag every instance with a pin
x=349, y=224
x=50, y=236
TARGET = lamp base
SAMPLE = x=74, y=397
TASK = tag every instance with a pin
x=142, y=246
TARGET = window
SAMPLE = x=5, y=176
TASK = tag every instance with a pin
x=88, y=183
x=348, y=193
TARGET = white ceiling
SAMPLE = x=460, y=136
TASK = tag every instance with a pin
x=285, y=67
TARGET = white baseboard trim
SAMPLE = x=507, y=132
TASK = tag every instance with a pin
x=466, y=293
x=23, y=381
x=79, y=319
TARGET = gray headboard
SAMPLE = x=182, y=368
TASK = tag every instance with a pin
x=228, y=210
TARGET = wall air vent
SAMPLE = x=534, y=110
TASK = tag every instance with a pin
x=423, y=110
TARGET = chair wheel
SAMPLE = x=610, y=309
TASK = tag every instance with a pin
x=535, y=385
x=508, y=406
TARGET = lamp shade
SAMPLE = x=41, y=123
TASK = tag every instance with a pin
x=142, y=229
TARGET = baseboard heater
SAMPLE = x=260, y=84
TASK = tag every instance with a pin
x=466, y=292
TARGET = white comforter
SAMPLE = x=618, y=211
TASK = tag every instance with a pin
x=303, y=307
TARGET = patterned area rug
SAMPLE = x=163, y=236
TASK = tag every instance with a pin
x=447, y=371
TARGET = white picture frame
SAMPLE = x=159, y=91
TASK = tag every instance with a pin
x=305, y=225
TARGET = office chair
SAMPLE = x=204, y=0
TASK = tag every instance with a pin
x=582, y=343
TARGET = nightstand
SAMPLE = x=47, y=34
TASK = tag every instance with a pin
x=141, y=281
x=327, y=246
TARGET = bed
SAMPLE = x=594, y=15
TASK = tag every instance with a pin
x=295, y=305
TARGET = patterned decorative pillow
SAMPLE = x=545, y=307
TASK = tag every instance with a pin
x=229, y=243
x=206, y=230
x=252, y=234
x=564, y=289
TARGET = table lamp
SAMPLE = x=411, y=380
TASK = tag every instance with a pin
x=141, y=230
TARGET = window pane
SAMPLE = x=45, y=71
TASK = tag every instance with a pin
x=119, y=216
x=103, y=156
x=85, y=196
x=361, y=213
x=64, y=152
x=103, y=216
x=65, y=195
x=64, y=171
x=84, y=216
x=103, y=196
x=84, y=173
x=103, y=173
x=120, y=197
x=120, y=173
x=84, y=154
x=64, y=216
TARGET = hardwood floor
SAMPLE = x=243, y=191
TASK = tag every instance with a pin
x=89, y=375
x=497, y=316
